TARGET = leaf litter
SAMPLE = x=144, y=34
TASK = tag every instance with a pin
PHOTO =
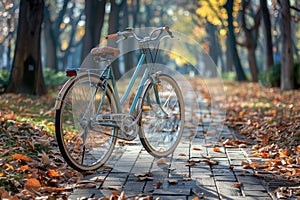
x=269, y=119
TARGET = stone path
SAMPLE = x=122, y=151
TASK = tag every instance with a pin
x=195, y=169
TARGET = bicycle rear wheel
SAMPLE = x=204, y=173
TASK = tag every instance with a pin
x=85, y=145
x=162, y=119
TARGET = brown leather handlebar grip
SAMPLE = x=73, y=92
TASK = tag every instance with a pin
x=166, y=28
x=111, y=36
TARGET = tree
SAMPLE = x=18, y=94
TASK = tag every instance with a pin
x=26, y=74
x=52, y=31
x=61, y=31
x=268, y=45
x=251, y=36
x=113, y=25
x=94, y=15
x=9, y=18
x=287, y=76
x=232, y=42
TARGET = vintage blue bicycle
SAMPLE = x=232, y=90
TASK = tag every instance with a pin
x=90, y=115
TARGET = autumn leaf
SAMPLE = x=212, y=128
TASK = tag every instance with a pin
x=23, y=168
x=283, y=153
x=237, y=185
x=210, y=162
x=246, y=165
x=196, y=148
x=253, y=164
x=2, y=174
x=256, y=154
x=30, y=144
x=32, y=185
x=158, y=185
x=172, y=181
x=228, y=143
x=21, y=157
x=53, y=173
x=217, y=149
x=8, y=166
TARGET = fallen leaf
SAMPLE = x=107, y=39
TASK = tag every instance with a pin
x=246, y=165
x=2, y=174
x=237, y=185
x=190, y=164
x=196, y=148
x=8, y=166
x=173, y=181
x=210, y=162
x=32, y=185
x=30, y=144
x=23, y=168
x=146, y=178
x=256, y=154
x=208, y=157
x=228, y=143
x=3, y=193
x=253, y=164
x=21, y=157
x=158, y=185
x=53, y=173
x=217, y=149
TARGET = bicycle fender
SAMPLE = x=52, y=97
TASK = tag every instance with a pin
x=67, y=85
x=62, y=91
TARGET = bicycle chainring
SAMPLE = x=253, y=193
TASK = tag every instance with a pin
x=129, y=128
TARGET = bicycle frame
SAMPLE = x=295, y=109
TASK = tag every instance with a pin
x=109, y=74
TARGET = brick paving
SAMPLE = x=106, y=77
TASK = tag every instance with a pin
x=186, y=173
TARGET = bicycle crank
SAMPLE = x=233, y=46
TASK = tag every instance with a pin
x=127, y=124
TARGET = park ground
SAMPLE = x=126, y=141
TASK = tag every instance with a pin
x=264, y=121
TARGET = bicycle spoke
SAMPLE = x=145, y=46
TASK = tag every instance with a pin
x=160, y=133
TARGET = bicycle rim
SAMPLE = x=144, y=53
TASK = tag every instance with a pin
x=162, y=125
x=84, y=145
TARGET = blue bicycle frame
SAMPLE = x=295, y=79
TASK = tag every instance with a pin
x=108, y=73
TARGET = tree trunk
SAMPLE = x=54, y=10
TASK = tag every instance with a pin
x=252, y=63
x=113, y=24
x=26, y=75
x=287, y=76
x=251, y=36
x=50, y=41
x=229, y=59
x=268, y=45
x=232, y=43
x=94, y=12
x=213, y=51
x=136, y=14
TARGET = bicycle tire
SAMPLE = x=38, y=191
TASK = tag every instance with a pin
x=161, y=136
x=83, y=148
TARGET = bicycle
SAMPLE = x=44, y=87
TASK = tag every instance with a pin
x=89, y=116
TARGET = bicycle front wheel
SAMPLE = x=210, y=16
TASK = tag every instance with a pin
x=84, y=144
x=162, y=118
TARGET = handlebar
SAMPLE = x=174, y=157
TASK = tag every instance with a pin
x=152, y=36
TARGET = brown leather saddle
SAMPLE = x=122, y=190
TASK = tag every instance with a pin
x=105, y=52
